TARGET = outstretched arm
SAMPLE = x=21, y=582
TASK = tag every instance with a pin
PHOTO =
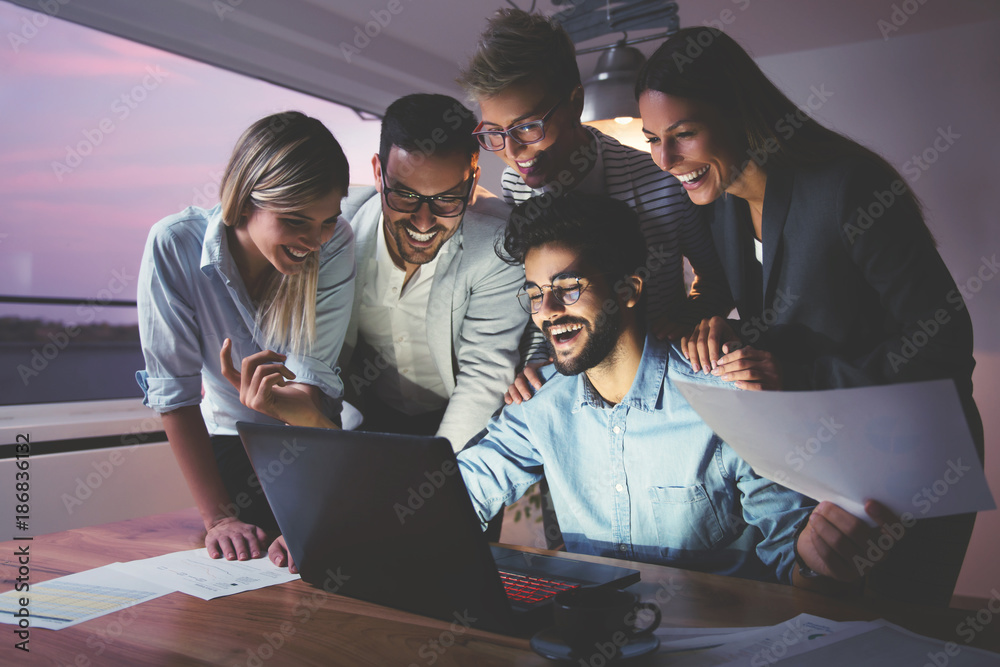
x=227, y=535
x=169, y=327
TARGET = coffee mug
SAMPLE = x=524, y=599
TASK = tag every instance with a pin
x=600, y=621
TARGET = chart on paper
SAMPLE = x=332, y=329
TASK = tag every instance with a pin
x=64, y=602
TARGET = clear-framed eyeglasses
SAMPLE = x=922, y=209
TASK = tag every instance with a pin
x=565, y=288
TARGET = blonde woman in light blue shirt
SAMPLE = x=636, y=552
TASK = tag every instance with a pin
x=269, y=268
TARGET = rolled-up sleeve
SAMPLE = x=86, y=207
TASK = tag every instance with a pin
x=334, y=298
x=168, y=327
x=775, y=510
x=502, y=466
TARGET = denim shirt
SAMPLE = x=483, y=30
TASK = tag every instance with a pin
x=643, y=480
x=191, y=297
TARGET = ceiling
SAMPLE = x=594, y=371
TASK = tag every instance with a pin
x=320, y=46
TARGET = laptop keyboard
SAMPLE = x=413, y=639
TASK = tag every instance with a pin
x=529, y=590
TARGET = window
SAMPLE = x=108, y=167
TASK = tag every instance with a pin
x=102, y=138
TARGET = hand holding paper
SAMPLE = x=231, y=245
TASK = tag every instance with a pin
x=906, y=445
x=835, y=538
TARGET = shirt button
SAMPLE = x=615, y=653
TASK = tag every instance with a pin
x=619, y=488
x=400, y=339
x=395, y=289
x=621, y=547
x=617, y=429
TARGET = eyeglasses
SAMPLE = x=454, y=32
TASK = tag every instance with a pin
x=443, y=206
x=524, y=134
x=565, y=288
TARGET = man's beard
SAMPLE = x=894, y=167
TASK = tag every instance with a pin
x=601, y=341
x=416, y=255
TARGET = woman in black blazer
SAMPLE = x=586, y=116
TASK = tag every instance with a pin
x=836, y=277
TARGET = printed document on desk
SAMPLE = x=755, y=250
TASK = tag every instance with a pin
x=755, y=646
x=195, y=573
x=866, y=644
x=906, y=445
x=75, y=598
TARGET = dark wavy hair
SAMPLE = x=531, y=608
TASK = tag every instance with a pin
x=428, y=124
x=603, y=230
x=707, y=65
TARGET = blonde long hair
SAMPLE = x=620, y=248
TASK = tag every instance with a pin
x=283, y=163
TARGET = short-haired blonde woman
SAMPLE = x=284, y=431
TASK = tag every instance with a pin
x=269, y=268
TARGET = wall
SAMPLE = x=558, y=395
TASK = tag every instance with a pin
x=77, y=489
x=898, y=96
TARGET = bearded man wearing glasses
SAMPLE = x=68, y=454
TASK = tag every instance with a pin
x=525, y=78
x=433, y=339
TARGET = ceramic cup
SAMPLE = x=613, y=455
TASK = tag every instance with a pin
x=599, y=621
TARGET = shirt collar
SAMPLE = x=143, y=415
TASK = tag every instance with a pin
x=644, y=394
x=384, y=260
x=215, y=253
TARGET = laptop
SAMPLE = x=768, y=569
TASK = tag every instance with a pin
x=387, y=519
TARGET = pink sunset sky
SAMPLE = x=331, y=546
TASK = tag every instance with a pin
x=151, y=132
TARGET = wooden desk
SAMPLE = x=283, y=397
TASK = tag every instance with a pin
x=311, y=627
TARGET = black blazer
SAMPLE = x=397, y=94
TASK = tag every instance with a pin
x=852, y=290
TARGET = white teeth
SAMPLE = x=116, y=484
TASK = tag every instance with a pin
x=297, y=253
x=422, y=238
x=529, y=163
x=691, y=175
x=564, y=328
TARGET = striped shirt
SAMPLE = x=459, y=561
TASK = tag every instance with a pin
x=673, y=227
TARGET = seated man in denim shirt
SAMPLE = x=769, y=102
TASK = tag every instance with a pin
x=633, y=470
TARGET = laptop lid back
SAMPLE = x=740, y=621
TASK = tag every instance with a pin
x=382, y=518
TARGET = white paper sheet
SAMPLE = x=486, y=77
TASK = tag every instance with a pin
x=686, y=639
x=875, y=644
x=757, y=646
x=906, y=445
x=75, y=598
x=195, y=573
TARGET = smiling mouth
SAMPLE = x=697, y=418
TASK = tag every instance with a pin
x=562, y=334
x=421, y=238
x=692, y=178
x=528, y=165
x=296, y=255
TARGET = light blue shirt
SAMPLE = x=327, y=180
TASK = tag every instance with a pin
x=643, y=480
x=191, y=297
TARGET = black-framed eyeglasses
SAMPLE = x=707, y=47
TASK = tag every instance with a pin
x=524, y=134
x=443, y=206
x=566, y=288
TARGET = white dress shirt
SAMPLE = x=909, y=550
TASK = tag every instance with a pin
x=393, y=321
